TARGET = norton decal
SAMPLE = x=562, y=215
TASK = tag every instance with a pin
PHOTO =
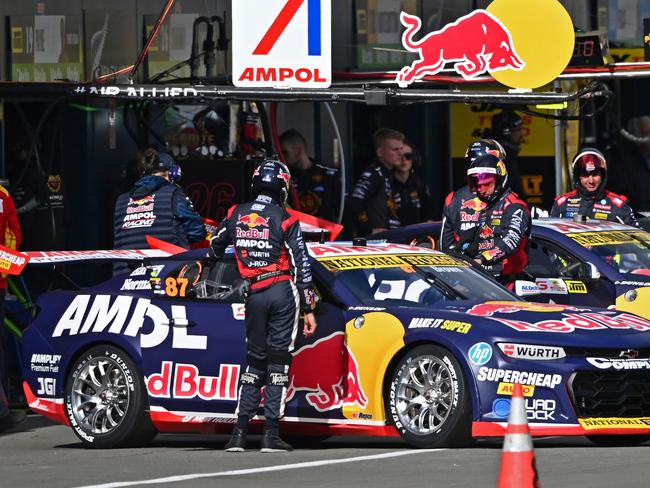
x=99, y=314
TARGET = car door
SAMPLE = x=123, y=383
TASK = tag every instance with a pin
x=194, y=347
x=561, y=277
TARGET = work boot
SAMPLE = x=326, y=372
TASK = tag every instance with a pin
x=237, y=442
x=271, y=442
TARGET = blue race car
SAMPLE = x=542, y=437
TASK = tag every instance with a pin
x=594, y=263
x=411, y=342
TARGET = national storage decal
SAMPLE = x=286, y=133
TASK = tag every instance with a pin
x=389, y=261
x=615, y=423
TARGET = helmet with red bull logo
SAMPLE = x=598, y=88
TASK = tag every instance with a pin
x=271, y=176
x=587, y=162
x=483, y=169
x=481, y=148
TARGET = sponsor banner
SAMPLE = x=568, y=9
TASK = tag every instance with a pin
x=321, y=251
x=537, y=409
x=615, y=422
x=480, y=353
x=619, y=364
x=431, y=323
x=45, y=363
x=567, y=226
x=387, y=261
x=551, y=286
x=185, y=382
x=509, y=388
x=608, y=238
x=545, y=380
x=127, y=315
x=530, y=351
x=575, y=286
x=12, y=262
x=47, y=257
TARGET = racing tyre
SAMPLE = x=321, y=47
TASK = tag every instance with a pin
x=618, y=440
x=428, y=399
x=105, y=400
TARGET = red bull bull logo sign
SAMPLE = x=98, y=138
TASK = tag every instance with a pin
x=253, y=220
x=328, y=371
x=502, y=40
x=476, y=43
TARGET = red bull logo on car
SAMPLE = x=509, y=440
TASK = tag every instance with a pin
x=477, y=43
x=328, y=371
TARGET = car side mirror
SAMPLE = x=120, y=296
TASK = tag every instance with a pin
x=525, y=288
x=589, y=272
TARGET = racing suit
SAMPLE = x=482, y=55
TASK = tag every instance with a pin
x=459, y=219
x=501, y=236
x=602, y=205
x=11, y=235
x=319, y=190
x=159, y=208
x=271, y=255
x=372, y=204
x=412, y=199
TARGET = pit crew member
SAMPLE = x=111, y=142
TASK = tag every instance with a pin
x=271, y=255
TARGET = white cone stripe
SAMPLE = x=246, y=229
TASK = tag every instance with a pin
x=517, y=414
x=517, y=443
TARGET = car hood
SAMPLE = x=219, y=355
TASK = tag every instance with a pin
x=542, y=323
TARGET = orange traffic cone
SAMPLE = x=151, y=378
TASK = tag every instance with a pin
x=518, y=468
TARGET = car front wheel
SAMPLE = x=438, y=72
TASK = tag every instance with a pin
x=105, y=400
x=428, y=402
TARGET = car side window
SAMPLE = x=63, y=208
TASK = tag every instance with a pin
x=205, y=280
x=546, y=260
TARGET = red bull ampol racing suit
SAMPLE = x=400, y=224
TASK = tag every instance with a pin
x=459, y=219
x=501, y=236
x=271, y=255
x=603, y=205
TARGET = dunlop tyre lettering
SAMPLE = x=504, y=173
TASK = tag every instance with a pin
x=134, y=426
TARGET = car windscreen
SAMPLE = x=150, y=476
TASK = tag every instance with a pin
x=412, y=279
x=625, y=251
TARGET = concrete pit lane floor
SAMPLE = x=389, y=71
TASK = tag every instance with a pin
x=40, y=453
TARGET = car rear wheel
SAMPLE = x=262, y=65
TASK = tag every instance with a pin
x=618, y=440
x=428, y=399
x=105, y=400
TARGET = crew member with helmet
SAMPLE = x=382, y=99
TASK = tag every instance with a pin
x=589, y=197
x=318, y=186
x=462, y=207
x=156, y=206
x=272, y=256
x=501, y=235
x=508, y=129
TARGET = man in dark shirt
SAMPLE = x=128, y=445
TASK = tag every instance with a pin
x=372, y=206
x=508, y=129
x=411, y=195
x=318, y=186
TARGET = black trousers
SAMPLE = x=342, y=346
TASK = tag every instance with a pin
x=271, y=327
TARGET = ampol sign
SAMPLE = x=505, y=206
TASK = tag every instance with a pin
x=282, y=43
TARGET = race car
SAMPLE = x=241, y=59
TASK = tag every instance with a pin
x=594, y=263
x=411, y=342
